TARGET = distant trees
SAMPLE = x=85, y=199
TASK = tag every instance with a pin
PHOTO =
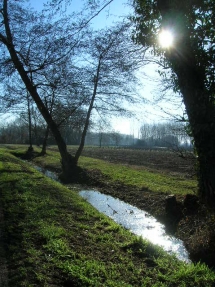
x=169, y=134
x=17, y=131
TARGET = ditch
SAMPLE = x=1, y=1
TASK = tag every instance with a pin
x=130, y=217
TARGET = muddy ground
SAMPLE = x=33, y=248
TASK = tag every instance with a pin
x=173, y=162
x=186, y=217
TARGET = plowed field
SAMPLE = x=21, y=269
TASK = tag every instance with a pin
x=163, y=160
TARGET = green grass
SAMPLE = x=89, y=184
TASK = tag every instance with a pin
x=54, y=237
x=128, y=175
x=139, y=177
x=51, y=160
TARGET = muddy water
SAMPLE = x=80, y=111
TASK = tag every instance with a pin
x=137, y=221
x=130, y=217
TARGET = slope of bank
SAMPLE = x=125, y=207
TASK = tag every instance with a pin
x=149, y=179
x=54, y=238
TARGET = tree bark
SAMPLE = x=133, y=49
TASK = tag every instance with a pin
x=200, y=109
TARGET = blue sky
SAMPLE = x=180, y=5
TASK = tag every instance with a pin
x=146, y=113
x=113, y=12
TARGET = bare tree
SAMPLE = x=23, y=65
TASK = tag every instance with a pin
x=30, y=44
x=112, y=61
x=42, y=52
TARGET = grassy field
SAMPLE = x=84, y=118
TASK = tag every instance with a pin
x=52, y=237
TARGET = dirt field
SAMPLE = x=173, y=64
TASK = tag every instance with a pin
x=162, y=160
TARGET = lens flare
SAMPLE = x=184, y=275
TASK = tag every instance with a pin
x=165, y=39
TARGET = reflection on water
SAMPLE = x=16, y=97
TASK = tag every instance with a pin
x=46, y=172
x=137, y=221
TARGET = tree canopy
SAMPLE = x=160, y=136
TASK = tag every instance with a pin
x=193, y=20
x=191, y=59
x=59, y=62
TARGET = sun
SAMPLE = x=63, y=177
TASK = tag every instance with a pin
x=165, y=39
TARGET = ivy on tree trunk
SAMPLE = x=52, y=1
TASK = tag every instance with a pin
x=200, y=108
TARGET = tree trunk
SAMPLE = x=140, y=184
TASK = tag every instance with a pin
x=199, y=106
x=84, y=133
x=30, y=149
x=43, y=151
x=68, y=162
x=207, y=180
x=100, y=140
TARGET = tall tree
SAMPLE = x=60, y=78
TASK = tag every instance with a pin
x=110, y=62
x=36, y=48
x=191, y=59
x=31, y=43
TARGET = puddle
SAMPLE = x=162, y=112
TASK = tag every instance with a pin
x=130, y=217
x=46, y=172
x=137, y=221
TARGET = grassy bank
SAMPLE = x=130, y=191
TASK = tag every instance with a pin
x=140, y=177
x=54, y=238
x=129, y=175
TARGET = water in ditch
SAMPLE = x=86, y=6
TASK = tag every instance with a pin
x=137, y=221
x=130, y=217
x=46, y=172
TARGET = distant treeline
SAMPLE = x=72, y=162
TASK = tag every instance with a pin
x=167, y=135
